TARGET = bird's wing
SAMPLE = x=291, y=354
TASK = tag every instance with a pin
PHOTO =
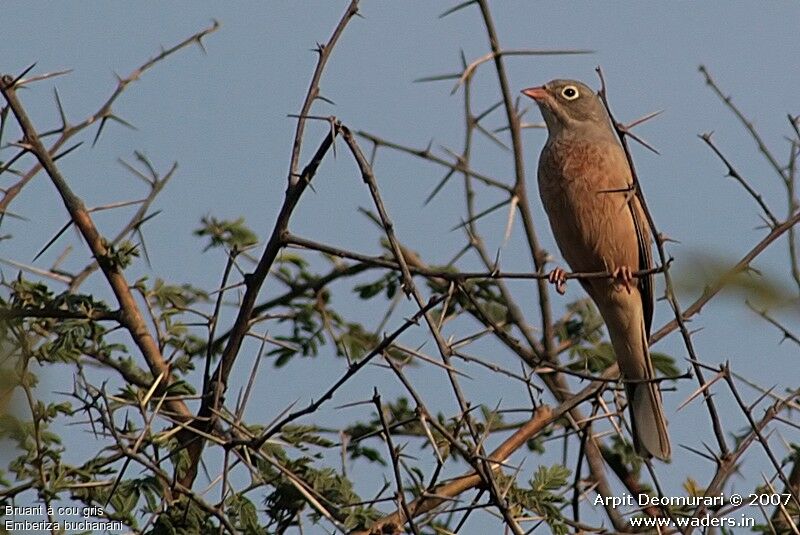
x=645, y=259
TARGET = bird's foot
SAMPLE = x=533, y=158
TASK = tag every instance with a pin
x=624, y=276
x=558, y=277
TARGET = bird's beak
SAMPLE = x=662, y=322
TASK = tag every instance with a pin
x=536, y=93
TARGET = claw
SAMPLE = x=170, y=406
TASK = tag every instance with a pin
x=558, y=277
x=624, y=276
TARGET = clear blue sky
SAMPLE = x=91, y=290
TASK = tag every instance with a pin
x=223, y=118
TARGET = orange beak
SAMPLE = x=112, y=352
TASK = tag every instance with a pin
x=536, y=93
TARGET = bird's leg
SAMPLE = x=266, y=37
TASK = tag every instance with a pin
x=558, y=277
x=624, y=276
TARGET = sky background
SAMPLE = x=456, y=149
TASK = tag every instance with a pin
x=223, y=117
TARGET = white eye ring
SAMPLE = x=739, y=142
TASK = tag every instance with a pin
x=570, y=92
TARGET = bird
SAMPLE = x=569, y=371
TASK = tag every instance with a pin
x=588, y=192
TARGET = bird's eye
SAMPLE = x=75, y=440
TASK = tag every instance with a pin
x=570, y=92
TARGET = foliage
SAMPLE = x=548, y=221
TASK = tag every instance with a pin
x=172, y=444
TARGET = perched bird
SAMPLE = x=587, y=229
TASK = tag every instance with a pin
x=587, y=190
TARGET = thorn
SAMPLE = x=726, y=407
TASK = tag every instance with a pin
x=99, y=130
x=325, y=99
x=496, y=266
x=761, y=398
x=663, y=238
x=121, y=121
x=439, y=186
x=459, y=159
x=61, y=112
x=644, y=119
x=488, y=110
x=458, y=7
x=52, y=240
x=710, y=451
x=147, y=218
x=698, y=452
x=481, y=214
x=67, y=151
x=640, y=141
x=693, y=331
x=437, y=78
x=4, y=213
x=491, y=136
x=18, y=78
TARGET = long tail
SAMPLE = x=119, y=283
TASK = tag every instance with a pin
x=647, y=420
x=629, y=338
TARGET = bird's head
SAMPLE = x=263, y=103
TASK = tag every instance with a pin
x=568, y=105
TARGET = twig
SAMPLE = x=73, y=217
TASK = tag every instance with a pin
x=520, y=185
x=747, y=411
x=394, y=454
x=543, y=417
x=104, y=112
x=426, y=154
x=714, y=288
x=213, y=393
x=131, y=317
x=787, y=334
x=354, y=369
x=447, y=274
x=728, y=101
x=733, y=173
x=313, y=93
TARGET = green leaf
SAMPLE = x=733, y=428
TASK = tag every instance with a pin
x=233, y=235
x=549, y=479
x=241, y=508
x=665, y=364
x=125, y=498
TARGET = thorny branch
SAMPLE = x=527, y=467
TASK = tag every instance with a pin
x=130, y=315
x=539, y=349
x=214, y=389
x=66, y=131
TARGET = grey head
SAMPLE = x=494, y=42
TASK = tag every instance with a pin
x=570, y=107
